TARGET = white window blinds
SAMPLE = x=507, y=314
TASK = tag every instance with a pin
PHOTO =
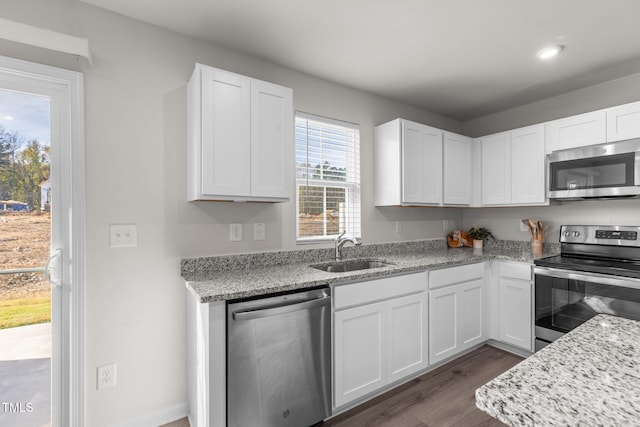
x=327, y=178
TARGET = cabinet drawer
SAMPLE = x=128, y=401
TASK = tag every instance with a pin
x=513, y=270
x=452, y=275
x=377, y=290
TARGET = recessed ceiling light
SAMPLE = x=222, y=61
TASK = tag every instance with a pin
x=549, y=52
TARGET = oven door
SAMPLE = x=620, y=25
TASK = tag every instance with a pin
x=597, y=171
x=565, y=299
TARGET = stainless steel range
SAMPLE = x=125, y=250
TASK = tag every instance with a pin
x=597, y=271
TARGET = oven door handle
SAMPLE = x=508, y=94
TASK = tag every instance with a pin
x=603, y=279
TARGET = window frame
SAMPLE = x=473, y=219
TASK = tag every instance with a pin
x=352, y=184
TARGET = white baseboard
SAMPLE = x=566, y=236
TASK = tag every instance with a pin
x=511, y=349
x=158, y=418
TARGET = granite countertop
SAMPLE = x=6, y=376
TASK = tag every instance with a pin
x=240, y=276
x=590, y=376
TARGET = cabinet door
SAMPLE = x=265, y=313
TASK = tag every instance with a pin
x=515, y=320
x=496, y=169
x=471, y=314
x=577, y=131
x=443, y=323
x=623, y=122
x=271, y=140
x=457, y=169
x=407, y=344
x=226, y=144
x=528, y=165
x=359, y=352
x=421, y=164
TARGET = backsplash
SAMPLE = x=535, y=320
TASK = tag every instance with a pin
x=192, y=267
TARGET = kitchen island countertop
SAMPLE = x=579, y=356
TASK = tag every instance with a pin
x=590, y=376
x=232, y=277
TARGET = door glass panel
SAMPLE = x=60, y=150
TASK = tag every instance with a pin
x=598, y=172
x=563, y=304
x=25, y=245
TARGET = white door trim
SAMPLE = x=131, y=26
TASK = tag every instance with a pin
x=66, y=89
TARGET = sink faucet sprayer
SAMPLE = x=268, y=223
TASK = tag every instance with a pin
x=341, y=240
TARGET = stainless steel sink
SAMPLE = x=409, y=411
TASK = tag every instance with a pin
x=351, y=265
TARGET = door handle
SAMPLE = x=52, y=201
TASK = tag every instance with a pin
x=53, y=268
x=281, y=309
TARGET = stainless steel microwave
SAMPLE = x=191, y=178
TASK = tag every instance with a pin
x=596, y=171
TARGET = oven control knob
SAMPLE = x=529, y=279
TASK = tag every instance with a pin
x=566, y=233
x=576, y=234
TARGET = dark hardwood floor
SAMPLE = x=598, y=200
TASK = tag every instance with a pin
x=442, y=397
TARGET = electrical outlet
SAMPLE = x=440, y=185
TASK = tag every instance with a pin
x=445, y=225
x=235, y=232
x=398, y=227
x=123, y=235
x=259, y=231
x=106, y=376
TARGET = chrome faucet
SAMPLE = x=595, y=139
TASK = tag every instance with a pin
x=341, y=240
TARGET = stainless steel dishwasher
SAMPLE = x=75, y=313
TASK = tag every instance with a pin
x=279, y=360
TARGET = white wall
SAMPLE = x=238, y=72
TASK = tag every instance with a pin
x=135, y=160
x=505, y=222
x=604, y=95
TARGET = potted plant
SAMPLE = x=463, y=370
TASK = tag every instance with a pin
x=478, y=235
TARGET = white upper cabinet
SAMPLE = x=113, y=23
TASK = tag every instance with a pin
x=528, y=165
x=577, y=131
x=240, y=137
x=271, y=140
x=513, y=166
x=421, y=163
x=623, y=122
x=496, y=169
x=457, y=169
x=416, y=165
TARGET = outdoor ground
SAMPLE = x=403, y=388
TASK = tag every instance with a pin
x=24, y=243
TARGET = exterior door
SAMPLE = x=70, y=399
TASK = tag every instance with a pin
x=48, y=386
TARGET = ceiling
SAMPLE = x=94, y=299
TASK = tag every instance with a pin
x=460, y=58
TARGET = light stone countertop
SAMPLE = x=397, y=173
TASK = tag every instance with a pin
x=589, y=377
x=240, y=276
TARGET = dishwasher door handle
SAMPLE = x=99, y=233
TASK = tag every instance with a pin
x=280, y=309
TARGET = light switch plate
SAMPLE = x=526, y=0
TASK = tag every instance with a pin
x=123, y=235
x=259, y=232
x=235, y=232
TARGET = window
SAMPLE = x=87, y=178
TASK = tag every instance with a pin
x=327, y=178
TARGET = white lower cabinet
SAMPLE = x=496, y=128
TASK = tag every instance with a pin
x=407, y=341
x=515, y=314
x=456, y=321
x=359, y=352
x=380, y=334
